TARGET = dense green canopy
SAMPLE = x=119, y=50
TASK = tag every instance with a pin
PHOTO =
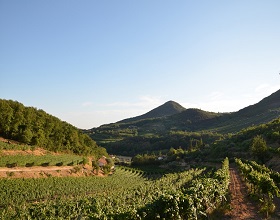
x=35, y=127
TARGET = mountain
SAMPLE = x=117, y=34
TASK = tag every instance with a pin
x=154, y=128
x=172, y=116
x=192, y=119
x=262, y=112
x=267, y=104
x=167, y=109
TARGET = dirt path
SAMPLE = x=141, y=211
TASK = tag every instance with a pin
x=34, y=169
x=241, y=207
x=36, y=172
x=39, y=171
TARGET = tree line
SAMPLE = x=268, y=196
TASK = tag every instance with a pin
x=260, y=142
x=31, y=126
x=132, y=146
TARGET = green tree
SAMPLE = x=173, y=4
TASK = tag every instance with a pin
x=259, y=147
x=26, y=136
x=110, y=161
x=137, y=160
x=6, y=115
x=36, y=127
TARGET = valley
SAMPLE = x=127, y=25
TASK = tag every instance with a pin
x=176, y=163
x=151, y=131
x=139, y=110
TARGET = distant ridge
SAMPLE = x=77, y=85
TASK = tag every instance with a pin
x=262, y=112
x=155, y=130
x=167, y=109
x=268, y=103
x=172, y=116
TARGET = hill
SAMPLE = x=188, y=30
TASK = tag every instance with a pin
x=270, y=103
x=262, y=112
x=167, y=109
x=31, y=126
x=154, y=127
x=238, y=145
x=193, y=119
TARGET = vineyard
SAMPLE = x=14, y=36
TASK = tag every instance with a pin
x=44, y=160
x=127, y=194
x=132, y=193
x=262, y=182
x=25, y=156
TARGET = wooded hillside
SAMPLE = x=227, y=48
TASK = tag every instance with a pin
x=35, y=127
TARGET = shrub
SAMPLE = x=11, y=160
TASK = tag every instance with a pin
x=45, y=164
x=59, y=164
x=11, y=165
x=29, y=164
x=70, y=164
x=85, y=161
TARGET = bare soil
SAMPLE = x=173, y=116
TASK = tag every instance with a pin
x=241, y=207
x=36, y=152
x=9, y=141
x=40, y=172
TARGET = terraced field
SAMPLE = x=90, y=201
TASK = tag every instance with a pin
x=127, y=194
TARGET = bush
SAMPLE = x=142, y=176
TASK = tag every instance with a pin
x=45, y=164
x=70, y=164
x=11, y=165
x=29, y=164
x=59, y=164
x=106, y=169
x=84, y=161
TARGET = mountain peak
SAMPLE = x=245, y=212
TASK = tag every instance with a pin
x=166, y=109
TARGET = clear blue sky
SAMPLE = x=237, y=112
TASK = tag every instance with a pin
x=93, y=62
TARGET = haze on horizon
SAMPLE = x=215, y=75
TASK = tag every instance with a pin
x=96, y=62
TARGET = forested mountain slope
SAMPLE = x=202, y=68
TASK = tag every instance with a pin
x=262, y=112
x=267, y=104
x=35, y=127
x=148, y=132
x=239, y=144
x=167, y=109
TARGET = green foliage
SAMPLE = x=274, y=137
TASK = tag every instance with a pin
x=33, y=160
x=84, y=161
x=122, y=194
x=106, y=169
x=126, y=194
x=263, y=182
x=176, y=139
x=110, y=161
x=260, y=141
x=259, y=147
x=156, y=132
x=95, y=166
x=145, y=159
x=167, y=109
x=31, y=126
x=9, y=146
